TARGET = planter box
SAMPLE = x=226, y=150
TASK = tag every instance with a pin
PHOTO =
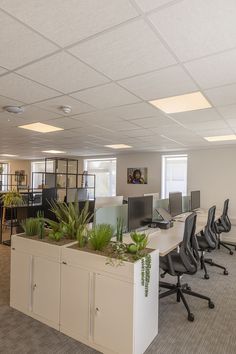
x=35, y=278
x=107, y=308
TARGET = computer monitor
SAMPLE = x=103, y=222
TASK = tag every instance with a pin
x=175, y=203
x=140, y=210
x=195, y=200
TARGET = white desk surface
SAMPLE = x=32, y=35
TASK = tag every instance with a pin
x=167, y=240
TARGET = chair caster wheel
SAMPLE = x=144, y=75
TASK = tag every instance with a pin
x=231, y=252
x=188, y=288
x=191, y=317
x=162, y=276
x=206, y=276
x=226, y=272
x=211, y=305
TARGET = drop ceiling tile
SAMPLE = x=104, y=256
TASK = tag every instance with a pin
x=4, y=101
x=20, y=45
x=153, y=122
x=106, y=96
x=159, y=84
x=67, y=22
x=63, y=72
x=215, y=132
x=148, y=5
x=64, y=122
x=2, y=70
x=31, y=114
x=199, y=116
x=214, y=124
x=215, y=70
x=54, y=104
x=118, y=126
x=228, y=112
x=133, y=111
x=198, y=27
x=97, y=117
x=24, y=90
x=128, y=50
x=232, y=122
x=221, y=96
x=9, y=120
x=139, y=133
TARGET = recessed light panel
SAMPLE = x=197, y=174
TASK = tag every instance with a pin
x=8, y=155
x=54, y=152
x=40, y=127
x=183, y=103
x=220, y=138
x=119, y=146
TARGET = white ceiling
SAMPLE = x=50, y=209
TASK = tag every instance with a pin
x=107, y=59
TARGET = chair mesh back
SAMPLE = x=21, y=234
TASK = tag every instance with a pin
x=226, y=207
x=188, y=249
x=211, y=218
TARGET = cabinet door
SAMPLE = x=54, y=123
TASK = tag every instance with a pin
x=113, y=320
x=75, y=301
x=21, y=266
x=46, y=289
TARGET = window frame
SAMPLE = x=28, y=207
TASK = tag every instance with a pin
x=85, y=166
x=163, y=172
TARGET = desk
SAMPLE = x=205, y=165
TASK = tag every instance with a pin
x=167, y=240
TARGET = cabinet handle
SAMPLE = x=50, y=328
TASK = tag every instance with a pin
x=97, y=310
x=64, y=263
x=34, y=286
x=13, y=248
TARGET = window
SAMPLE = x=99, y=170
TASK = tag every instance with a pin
x=174, y=174
x=105, y=171
x=3, y=176
x=39, y=166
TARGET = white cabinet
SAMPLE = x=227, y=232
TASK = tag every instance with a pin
x=35, y=279
x=46, y=289
x=21, y=265
x=105, y=307
x=75, y=304
x=113, y=316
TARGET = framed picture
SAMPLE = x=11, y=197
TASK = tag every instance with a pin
x=20, y=177
x=137, y=175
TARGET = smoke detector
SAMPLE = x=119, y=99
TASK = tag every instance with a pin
x=66, y=109
x=14, y=109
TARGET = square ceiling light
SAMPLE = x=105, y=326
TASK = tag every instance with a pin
x=8, y=155
x=182, y=103
x=40, y=127
x=119, y=146
x=54, y=152
x=220, y=138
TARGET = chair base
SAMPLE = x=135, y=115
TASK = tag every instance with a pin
x=180, y=290
x=209, y=261
x=226, y=245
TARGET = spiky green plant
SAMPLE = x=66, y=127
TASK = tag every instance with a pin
x=72, y=221
x=119, y=229
x=100, y=236
x=31, y=226
x=40, y=217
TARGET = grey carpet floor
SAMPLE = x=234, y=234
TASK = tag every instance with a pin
x=212, y=332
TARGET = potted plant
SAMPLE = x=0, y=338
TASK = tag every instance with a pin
x=12, y=198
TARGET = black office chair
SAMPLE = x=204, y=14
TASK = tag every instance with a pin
x=183, y=262
x=207, y=241
x=222, y=225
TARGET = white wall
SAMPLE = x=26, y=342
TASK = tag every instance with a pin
x=150, y=160
x=213, y=172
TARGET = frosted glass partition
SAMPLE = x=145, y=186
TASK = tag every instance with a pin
x=161, y=203
x=186, y=203
x=109, y=215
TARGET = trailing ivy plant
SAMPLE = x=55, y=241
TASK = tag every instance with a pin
x=146, y=272
x=12, y=198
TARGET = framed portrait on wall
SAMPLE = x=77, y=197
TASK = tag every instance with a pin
x=137, y=175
